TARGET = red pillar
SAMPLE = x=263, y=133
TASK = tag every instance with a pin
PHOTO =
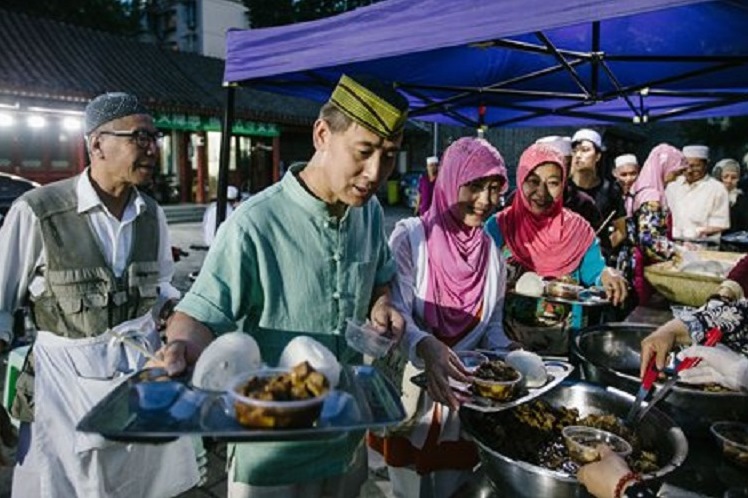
x=276, y=158
x=185, y=169
x=201, y=153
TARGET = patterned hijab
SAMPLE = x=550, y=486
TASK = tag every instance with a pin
x=552, y=243
x=458, y=255
x=650, y=184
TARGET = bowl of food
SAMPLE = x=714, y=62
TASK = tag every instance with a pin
x=471, y=360
x=496, y=380
x=584, y=443
x=522, y=449
x=563, y=289
x=279, y=398
x=732, y=437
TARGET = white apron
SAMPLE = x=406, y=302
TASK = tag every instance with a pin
x=72, y=375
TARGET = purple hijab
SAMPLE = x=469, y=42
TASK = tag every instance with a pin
x=458, y=255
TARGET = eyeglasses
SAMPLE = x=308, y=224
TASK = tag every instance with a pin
x=142, y=138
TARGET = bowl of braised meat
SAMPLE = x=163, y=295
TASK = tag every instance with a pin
x=496, y=380
x=732, y=437
x=279, y=398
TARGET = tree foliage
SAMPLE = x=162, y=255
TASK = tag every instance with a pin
x=113, y=16
x=266, y=13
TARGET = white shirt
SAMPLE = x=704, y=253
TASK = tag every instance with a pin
x=209, y=221
x=22, y=248
x=704, y=203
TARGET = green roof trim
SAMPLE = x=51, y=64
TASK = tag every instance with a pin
x=186, y=122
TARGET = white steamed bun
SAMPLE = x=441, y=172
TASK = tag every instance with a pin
x=531, y=365
x=304, y=348
x=225, y=358
x=530, y=284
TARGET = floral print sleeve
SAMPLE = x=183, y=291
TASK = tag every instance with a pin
x=731, y=318
x=651, y=232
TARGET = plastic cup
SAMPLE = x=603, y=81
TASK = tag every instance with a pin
x=365, y=339
x=583, y=443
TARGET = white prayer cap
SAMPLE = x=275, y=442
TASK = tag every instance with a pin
x=728, y=164
x=432, y=160
x=561, y=144
x=232, y=193
x=625, y=159
x=587, y=134
x=696, y=151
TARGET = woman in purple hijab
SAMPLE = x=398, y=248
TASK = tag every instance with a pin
x=450, y=290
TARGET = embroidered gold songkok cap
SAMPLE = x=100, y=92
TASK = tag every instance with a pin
x=372, y=104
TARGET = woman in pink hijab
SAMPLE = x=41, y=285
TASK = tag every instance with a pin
x=539, y=235
x=450, y=290
x=646, y=227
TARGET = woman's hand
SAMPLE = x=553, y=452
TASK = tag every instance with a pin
x=441, y=363
x=616, y=287
x=601, y=477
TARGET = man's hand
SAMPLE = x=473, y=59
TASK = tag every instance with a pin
x=387, y=320
x=384, y=317
x=186, y=338
x=441, y=363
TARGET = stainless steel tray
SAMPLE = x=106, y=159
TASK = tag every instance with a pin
x=148, y=411
x=591, y=301
x=558, y=370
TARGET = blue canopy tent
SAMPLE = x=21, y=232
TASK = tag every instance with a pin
x=514, y=62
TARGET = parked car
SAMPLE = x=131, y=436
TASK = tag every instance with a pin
x=11, y=188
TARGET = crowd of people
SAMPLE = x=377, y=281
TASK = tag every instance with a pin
x=90, y=257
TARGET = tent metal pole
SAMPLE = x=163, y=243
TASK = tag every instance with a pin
x=561, y=60
x=436, y=104
x=692, y=109
x=223, y=162
x=435, y=150
x=625, y=96
x=739, y=59
x=532, y=48
x=596, y=59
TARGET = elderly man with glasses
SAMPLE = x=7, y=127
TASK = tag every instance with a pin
x=90, y=256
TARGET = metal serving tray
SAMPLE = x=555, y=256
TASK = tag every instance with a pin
x=557, y=371
x=145, y=410
x=591, y=300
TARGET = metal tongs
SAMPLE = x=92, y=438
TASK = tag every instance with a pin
x=713, y=336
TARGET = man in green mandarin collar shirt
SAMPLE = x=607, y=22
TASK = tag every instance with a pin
x=300, y=258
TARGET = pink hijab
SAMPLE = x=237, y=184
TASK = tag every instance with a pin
x=458, y=254
x=553, y=243
x=650, y=184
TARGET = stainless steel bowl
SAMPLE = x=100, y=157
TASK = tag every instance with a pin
x=610, y=355
x=521, y=479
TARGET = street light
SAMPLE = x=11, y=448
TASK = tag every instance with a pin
x=6, y=120
x=36, y=122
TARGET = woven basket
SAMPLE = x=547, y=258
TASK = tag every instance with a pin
x=691, y=289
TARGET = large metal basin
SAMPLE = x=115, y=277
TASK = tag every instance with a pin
x=610, y=355
x=520, y=479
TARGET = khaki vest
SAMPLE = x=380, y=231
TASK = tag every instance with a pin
x=82, y=297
